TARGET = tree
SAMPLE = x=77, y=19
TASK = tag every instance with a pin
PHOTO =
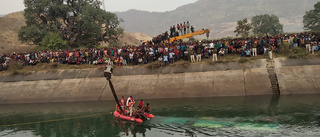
x=79, y=22
x=266, y=24
x=311, y=20
x=243, y=28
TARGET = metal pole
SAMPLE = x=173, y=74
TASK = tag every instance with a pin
x=115, y=95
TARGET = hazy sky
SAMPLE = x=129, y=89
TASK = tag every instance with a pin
x=8, y=6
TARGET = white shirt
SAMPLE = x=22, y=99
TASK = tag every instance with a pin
x=211, y=45
x=166, y=49
x=127, y=103
x=131, y=56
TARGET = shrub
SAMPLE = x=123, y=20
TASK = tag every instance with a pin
x=53, y=41
x=292, y=52
x=15, y=67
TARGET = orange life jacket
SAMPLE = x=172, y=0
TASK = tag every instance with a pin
x=131, y=102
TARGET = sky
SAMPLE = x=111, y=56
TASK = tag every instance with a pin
x=8, y=6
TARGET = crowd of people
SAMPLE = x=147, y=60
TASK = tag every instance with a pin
x=129, y=109
x=179, y=29
x=166, y=53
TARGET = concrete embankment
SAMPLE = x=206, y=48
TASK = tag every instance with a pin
x=176, y=81
x=298, y=76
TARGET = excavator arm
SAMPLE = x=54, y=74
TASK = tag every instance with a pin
x=189, y=35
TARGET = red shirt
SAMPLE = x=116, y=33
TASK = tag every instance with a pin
x=171, y=47
x=77, y=54
x=122, y=102
x=160, y=50
x=176, y=52
x=140, y=104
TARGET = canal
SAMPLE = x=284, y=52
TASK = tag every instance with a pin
x=294, y=115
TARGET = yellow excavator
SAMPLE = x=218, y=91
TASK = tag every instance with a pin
x=189, y=35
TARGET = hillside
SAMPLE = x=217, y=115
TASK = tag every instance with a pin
x=9, y=26
x=219, y=16
x=11, y=23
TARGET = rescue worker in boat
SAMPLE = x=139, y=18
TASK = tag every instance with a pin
x=139, y=114
x=118, y=109
x=123, y=103
x=146, y=108
x=140, y=104
x=130, y=105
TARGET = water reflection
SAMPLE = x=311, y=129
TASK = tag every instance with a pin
x=130, y=128
x=224, y=116
x=273, y=104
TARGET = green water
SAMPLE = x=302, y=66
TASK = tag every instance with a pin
x=297, y=115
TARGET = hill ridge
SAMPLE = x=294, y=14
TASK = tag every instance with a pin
x=217, y=15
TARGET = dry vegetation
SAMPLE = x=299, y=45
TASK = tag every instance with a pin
x=11, y=23
x=9, y=26
x=16, y=68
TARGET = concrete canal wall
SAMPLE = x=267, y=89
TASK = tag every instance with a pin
x=298, y=76
x=188, y=80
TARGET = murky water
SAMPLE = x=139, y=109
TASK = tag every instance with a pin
x=297, y=115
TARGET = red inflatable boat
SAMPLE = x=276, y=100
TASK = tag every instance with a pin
x=149, y=115
x=128, y=118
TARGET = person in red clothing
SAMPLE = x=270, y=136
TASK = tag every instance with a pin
x=67, y=54
x=176, y=54
x=140, y=104
x=160, y=50
x=123, y=103
x=178, y=28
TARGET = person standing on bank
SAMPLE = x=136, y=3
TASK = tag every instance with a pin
x=192, y=56
x=184, y=28
x=254, y=48
x=188, y=27
x=308, y=44
x=270, y=51
x=198, y=53
x=214, y=54
x=181, y=29
x=130, y=104
x=313, y=44
x=178, y=29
